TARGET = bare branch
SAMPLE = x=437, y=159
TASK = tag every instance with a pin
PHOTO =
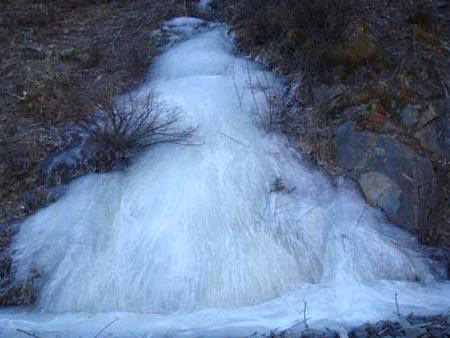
x=113, y=46
x=30, y=334
x=304, y=315
x=108, y=325
x=131, y=124
x=20, y=98
x=396, y=304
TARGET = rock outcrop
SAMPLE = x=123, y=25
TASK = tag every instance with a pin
x=391, y=175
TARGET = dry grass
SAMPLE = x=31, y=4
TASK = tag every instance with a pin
x=312, y=27
x=359, y=47
x=55, y=56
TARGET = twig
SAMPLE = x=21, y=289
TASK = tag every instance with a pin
x=252, y=91
x=396, y=304
x=306, y=213
x=21, y=98
x=108, y=325
x=115, y=38
x=445, y=89
x=231, y=138
x=398, y=69
x=239, y=93
x=30, y=334
x=361, y=215
x=304, y=315
x=185, y=8
x=382, y=331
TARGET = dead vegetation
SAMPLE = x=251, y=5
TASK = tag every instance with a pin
x=57, y=56
x=409, y=326
x=130, y=123
x=386, y=54
x=314, y=27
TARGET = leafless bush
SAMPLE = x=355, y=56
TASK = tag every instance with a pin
x=264, y=96
x=268, y=110
x=132, y=124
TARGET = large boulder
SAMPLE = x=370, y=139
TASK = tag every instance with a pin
x=391, y=175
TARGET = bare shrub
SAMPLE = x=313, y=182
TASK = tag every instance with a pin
x=130, y=125
x=266, y=98
x=268, y=111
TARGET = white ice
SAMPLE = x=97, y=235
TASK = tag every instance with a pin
x=191, y=241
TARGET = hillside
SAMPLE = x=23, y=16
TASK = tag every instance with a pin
x=367, y=98
x=218, y=168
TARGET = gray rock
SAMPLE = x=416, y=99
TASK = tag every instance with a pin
x=381, y=191
x=409, y=115
x=435, y=132
x=391, y=175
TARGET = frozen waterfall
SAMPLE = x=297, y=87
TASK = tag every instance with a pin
x=194, y=240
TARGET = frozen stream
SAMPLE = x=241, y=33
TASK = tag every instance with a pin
x=193, y=241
